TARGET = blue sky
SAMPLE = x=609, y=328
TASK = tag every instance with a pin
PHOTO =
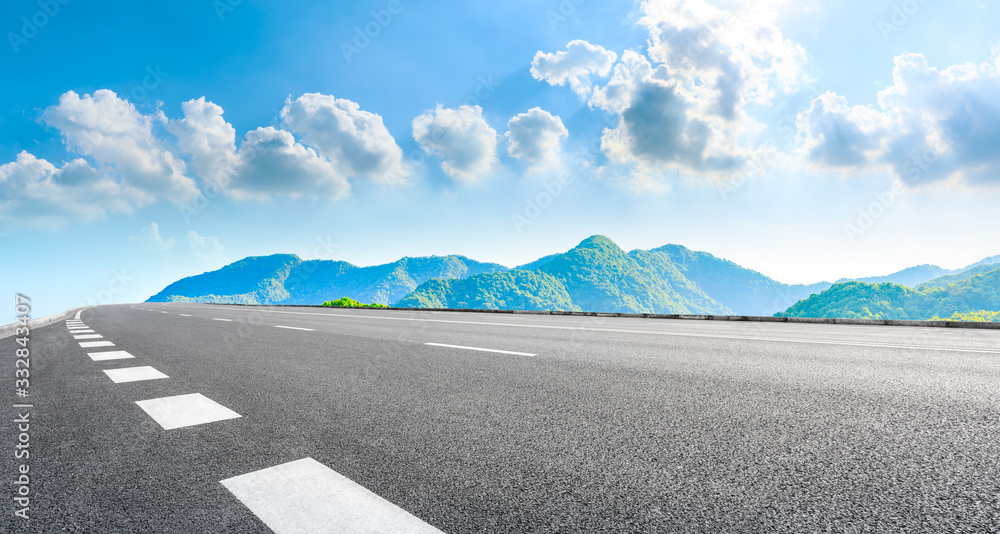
x=808, y=140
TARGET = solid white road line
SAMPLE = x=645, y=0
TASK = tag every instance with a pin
x=306, y=496
x=88, y=336
x=95, y=344
x=133, y=374
x=185, y=410
x=294, y=328
x=78, y=315
x=651, y=332
x=217, y=319
x=480, y=350
x=109, y=355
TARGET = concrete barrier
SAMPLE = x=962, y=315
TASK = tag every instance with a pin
x=9, y=329
x=748, y=318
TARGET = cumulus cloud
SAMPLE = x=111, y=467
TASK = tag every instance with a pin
x=149, y=235
x=725, y=58
x=461, y=137
x=681, y=105
x=34, y=191
x=356, y=141
x=658, y=121
x=207, y=249
x=930, y=125
x=208, y=138
x=112, y=132
x=575, y=65
x=534, y=136
x=272, y=163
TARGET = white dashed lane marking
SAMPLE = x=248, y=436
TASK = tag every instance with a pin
x=95, y=344
x=184, y=315
x=88, y=336
x=294, y=328
x=134, y=374
x=481, y=350
x=217, y=319
x=109, y=355
x=306, y=496
x=185, y=410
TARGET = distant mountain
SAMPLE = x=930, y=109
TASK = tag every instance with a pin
x=745, y=291
x=596, y=275
x=947, y=280
x=287, y=279
x=910, y=277
x=511, y=290
x=979, y=292
x=599, y=276
x=914, y=276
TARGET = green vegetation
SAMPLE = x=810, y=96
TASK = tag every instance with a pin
x=980, y=316
x=346, y=302
x=512, y=290
x=969, y=296
x=287, y=279
x=598, y=276
x=746, y=291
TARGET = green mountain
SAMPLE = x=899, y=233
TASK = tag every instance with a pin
x=287, y=279
x=860, y=300
x=745, y=291
x=910, y=277
x=511, y=290
x=597, y=275
x=947, y=280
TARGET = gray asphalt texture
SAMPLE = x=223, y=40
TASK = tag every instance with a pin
x=667, y=426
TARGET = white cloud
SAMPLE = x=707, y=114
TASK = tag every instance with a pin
x=575, y=65
x=725, y=58
x=34, y=191
x=207, y=249
x=931, y=125
x=149, y=235
x=112, y=132
x=682, y=105
x=461, y=137
x=534, y=136
x=659, y=124
x=271, y=163
x=208, y=138
x=356, y=141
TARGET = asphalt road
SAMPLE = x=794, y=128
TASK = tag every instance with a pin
x=581, y=425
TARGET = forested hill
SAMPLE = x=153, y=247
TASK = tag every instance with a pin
x=972, y=295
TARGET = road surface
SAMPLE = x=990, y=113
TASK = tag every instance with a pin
x=240, y=419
